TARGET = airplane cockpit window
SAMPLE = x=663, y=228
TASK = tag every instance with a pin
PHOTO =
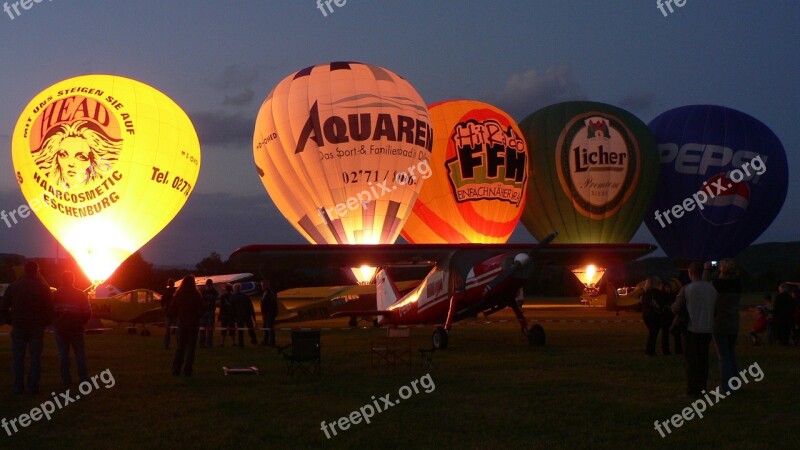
x=435, y=282
x=137, y=297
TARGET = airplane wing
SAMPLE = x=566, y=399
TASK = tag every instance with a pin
x=278, y=256
x=219, y=279
x=311, y=293
x=310, y=303
x=361, y=312
x=334, y=292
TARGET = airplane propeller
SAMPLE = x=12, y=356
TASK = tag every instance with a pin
x=520, y=261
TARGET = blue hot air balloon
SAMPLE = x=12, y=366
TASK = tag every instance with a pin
x=723, y=180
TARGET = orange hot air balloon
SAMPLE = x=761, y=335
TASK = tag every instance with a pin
x=475, y=191
x=339, y=148
x=105, y=162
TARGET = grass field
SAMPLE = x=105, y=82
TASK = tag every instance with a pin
x=591, y=386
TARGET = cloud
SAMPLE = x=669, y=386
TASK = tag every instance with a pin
x=240, y=99
x=637, y=103
x=235, y=76
x=219, y=128
x=527, y=92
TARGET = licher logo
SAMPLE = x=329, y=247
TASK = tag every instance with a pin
x=597, y=161
x=75, y=142
x=486, y=161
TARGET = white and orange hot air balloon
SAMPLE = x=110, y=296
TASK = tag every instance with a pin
x=340, y=148
x=479, y=171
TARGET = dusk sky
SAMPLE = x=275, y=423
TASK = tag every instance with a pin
x=218, y=60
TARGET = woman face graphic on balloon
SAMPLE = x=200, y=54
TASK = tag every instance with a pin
x=77, y=153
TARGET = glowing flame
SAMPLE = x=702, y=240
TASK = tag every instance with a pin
x=591, y=270
x=98, y=247
x=589, y=275
x=364, y=274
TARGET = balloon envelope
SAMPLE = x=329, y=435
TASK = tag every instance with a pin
x=733, y=160
x=105, y=162
x=594, y=169
x=475, y=186
x=339, y=148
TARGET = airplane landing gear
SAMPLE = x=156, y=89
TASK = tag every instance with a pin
x=536, y=335
x=353, y=322
x=439, y=338
x=145, y=332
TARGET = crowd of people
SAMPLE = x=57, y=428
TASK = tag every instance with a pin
x=195, y=311
x=707, y=309
x=780, y=321
x=30, y=307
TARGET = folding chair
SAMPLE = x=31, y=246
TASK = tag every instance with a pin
x=305, y=353
x=396, y=346
x=426, y=355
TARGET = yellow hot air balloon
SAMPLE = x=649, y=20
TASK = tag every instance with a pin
x=105, y=162
x=339, y=148
x=479, y=173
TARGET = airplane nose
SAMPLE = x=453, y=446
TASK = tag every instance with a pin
x=521, y=259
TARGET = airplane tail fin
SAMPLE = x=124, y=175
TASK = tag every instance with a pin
x=386, y=291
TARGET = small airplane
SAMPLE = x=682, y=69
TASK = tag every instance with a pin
x=466, y=279
x=136, y=307
x=143, y=306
